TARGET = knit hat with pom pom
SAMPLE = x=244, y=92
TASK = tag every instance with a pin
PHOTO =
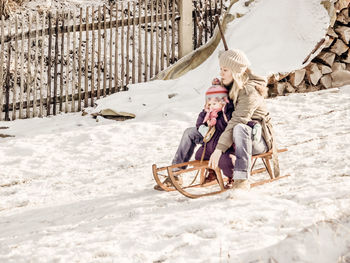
x=235, y=60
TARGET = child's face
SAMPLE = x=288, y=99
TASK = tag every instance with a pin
x=214, y=104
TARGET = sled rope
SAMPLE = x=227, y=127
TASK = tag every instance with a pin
x=206, y=139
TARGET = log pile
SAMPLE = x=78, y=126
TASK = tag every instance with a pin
x=328, y=65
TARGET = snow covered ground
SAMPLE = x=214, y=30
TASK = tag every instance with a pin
x=76, y=190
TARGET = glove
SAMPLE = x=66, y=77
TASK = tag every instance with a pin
x=214, y=159
x=256, y=132
x=203, y=130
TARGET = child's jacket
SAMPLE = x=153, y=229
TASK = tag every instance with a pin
x=219, y=129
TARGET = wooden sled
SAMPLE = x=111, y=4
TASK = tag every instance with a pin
x=195, y=166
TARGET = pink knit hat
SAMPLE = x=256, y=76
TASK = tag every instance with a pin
x=216, y=91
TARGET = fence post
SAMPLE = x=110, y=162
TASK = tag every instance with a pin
x=185, y=28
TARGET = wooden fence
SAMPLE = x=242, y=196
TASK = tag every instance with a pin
x=204, y=20
x=61, y=62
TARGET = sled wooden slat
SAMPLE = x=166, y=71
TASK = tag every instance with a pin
x=187, y=194
x=169, y=189
x=268, y=154
x=202, y=166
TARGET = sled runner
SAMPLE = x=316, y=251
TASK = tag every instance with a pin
x=197, y=167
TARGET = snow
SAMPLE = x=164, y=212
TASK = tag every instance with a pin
x=81, y=190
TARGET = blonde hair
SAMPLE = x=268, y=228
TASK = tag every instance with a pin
x=239, y=81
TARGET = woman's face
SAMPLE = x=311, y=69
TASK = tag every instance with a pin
x=226, y=76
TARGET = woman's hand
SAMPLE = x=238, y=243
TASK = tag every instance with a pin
x=214, y=159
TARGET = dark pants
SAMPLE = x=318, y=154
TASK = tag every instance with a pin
x=190, y=138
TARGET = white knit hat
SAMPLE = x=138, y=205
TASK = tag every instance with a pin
x=234, y=59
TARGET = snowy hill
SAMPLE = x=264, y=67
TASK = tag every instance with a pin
x=76, y=190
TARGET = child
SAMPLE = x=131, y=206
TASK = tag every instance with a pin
x=217, y=112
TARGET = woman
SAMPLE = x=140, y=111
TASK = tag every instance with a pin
x=247, y=93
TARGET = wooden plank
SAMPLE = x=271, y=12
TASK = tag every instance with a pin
x=162, y=37
x=86, y=83
x=110, y=72
x=68, y=66
x=36, y=65
x=99, y=36
x=122, y=48
x=42, y=37
x=205, y=16
x=8, y=80
x=55, y=73
x=62, y=64
x=92, y=54
x=116, y=70
x=74, y=70
x=145, y=54
x=127, y=64
x=151, y=44
x=133, y=71
x=2, y=52
x=14, y=92
x=139, y=69
x=210, y=18
x=173, y=33
x=80, y=64
x=167, y=34
x=48, y=95
x=157, y=39
x=104, y=51
x=195, y=27
x=29, y=72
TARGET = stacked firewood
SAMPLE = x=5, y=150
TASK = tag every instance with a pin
x=328, y=65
